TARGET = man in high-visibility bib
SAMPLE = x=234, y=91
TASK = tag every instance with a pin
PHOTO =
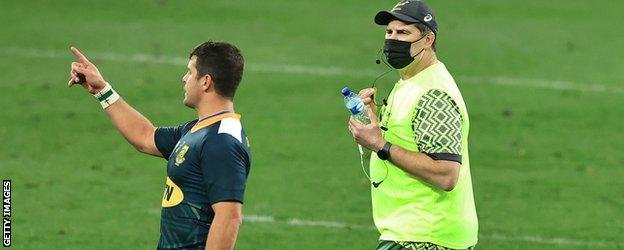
x=422, y=194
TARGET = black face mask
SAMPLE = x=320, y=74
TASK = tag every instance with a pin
x=398, y=52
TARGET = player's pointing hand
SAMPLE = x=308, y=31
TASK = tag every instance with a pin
x=85, y=73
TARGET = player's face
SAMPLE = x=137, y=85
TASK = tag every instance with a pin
x=192, y=86
x=401, y=31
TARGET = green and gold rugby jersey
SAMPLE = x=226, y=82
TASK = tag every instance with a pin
x=208, y=162
x=427, y=114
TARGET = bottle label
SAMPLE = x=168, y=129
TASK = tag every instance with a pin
x=357, y=108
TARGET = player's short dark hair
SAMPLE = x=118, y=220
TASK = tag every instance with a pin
x=424, y=29
x=223, y=62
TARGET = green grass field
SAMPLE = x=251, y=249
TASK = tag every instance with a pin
x=541, y=80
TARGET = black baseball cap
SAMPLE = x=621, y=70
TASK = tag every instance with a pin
x=409, y=11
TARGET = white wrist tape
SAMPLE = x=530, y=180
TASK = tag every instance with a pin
x=107, y=96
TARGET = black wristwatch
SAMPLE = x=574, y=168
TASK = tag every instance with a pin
x=384, y=153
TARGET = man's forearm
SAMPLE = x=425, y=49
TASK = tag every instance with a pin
x=223, y=232
x=137, y=129
x=440, y=173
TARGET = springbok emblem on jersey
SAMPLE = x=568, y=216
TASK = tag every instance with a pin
x=181, y=153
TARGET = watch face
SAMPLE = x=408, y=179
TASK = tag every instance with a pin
x=383, y=154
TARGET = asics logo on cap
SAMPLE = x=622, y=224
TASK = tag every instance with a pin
x=428, y=18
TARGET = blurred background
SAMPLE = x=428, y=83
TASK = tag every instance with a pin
x=541, y=80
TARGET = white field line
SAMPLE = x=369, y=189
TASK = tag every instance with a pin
x=313, y=70
x=542, y=84
x=302, y=222
x=495, y=237
x=182, y=61
x=559, y=241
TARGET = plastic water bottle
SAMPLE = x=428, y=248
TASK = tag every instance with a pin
x=356, y=107
x=359, y=111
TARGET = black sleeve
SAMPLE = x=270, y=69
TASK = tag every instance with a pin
x=166, y=138
x=225, y=166
x=437, y=125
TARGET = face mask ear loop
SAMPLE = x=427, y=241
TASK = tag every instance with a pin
x=423, y=49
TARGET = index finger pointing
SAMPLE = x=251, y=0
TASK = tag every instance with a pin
x=79, y=56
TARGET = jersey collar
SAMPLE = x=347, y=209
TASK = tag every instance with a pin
x=213, y=119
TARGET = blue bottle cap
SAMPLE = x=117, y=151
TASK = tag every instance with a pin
x=346, y=91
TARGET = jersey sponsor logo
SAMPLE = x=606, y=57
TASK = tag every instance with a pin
x=173, y=194
x=181, y=153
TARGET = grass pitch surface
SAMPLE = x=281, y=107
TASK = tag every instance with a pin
x=541, y=80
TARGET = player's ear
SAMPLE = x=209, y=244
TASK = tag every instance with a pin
x=207, y=82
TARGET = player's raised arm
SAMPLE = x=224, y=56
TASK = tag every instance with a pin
x=137, y=129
